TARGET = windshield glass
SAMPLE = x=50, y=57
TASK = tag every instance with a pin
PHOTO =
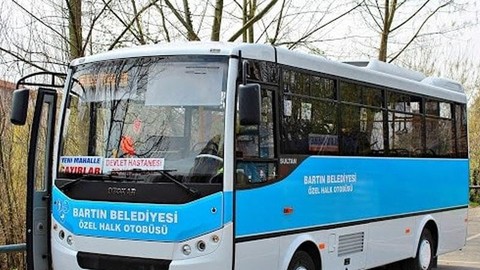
x=146, y=115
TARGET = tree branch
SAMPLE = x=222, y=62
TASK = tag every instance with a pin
x=250, y=22
x=379, y=10
x=23, y=59
x=90, y=31
x=277, y=29
x=167, y=35
x=373, y=16
x=217, y=20
x=127, y=26
x=179, y=17
x=42, y=22
x=418, y=31
x=324, y=25
x=139, y=23
x=279, y=22
x=411, y=16
x=188, y=19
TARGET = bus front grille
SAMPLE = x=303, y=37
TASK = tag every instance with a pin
x=112, y=262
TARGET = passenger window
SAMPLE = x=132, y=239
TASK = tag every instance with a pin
x=362, y=132
x=440, y=129
x=405, y=125
x=309, y=126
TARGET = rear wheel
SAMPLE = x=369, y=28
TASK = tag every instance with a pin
x=301, y=260
x=425, y=253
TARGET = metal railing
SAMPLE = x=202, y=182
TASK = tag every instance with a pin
x=13, y=248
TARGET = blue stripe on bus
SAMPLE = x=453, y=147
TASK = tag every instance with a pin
x=330, y=190
x=135, y=221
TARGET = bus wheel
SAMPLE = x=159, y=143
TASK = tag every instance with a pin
x=301, y=260
x=425, y=253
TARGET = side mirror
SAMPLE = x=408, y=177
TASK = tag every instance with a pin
x=20, y=106
x=249, y=104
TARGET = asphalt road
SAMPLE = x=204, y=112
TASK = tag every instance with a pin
x=469, y=257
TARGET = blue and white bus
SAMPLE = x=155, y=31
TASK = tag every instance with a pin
x=244, y=156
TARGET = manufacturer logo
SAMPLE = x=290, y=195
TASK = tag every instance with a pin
x=62, y=209
x=122, y=191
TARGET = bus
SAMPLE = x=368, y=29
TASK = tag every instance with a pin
x=211, y=155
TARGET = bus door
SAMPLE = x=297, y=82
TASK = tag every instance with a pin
x=256, y=167
x=39, y=172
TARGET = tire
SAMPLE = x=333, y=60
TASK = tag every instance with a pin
x=425, y=258
x=301, y=260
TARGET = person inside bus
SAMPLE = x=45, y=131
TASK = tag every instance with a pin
x=209, y=162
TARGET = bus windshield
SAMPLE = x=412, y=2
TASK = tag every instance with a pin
x=146, y=115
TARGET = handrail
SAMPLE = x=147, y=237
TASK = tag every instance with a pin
x=13, y=248
x=23, y=81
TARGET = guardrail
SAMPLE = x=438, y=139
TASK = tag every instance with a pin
x=475, y=187
x=13, y=248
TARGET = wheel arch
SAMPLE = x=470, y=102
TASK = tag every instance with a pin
x=306, y=244
x=433, y=228
x=431, y=224
x=314, y=253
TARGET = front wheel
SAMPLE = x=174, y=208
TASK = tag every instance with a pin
x=301, y=260
x=425, y=253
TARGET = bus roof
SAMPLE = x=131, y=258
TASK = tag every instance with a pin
x=253, y=51
x=372, y=72
x=377, y=73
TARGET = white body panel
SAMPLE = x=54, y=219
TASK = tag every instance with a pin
x=385, y=242
x=216, y=255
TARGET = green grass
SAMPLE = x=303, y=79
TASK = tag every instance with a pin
x=474, y=204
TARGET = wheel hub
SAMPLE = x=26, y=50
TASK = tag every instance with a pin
x=425, y=254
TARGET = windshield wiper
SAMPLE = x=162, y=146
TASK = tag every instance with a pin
x=165, y=173
x=102, y=177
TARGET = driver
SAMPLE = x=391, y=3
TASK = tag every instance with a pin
x=206, y=166
x=212, y=147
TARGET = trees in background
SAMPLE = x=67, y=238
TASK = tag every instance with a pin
x=12, y=184
x=388, y=17
x=47, y=34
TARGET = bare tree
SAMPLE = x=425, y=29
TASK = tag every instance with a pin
x=217, y=20
x=307, y=24
x=388, y=17
x=75, y=28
